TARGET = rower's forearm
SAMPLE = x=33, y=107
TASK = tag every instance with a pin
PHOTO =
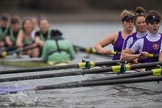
x=129, y=56
x=98, y=48
x=160, y=57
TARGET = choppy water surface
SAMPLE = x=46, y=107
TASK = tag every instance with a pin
x=116, y=96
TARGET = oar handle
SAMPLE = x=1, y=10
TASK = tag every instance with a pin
x=115, y=53
x=26, y=49
x=152, y=56
x=85, y=49
x=141, y=58
x=3, y=54
x=91, y=50
x=9, y=48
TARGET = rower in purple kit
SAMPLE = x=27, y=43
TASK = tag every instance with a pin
x=117, y=39
x=150, y=44
x=141, y=30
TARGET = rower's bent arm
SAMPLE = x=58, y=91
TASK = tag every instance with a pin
x=39, y=41
x=128, y=55
x=110, y=39
x=8, y=41
x=19, y=41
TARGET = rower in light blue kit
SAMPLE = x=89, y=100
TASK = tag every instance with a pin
x=57, y=50
x=117, y=39
x=149, y=44
x=45, y=33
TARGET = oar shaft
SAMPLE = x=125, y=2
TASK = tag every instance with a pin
x=91, y=50
x=62, y=74
x=3, y=54
x=9, y=48
x=5, y=90
x=23, y=49
x=37, y=69
x=73, y=73
x=144, y=65
x=100, y=83
x=131, y=75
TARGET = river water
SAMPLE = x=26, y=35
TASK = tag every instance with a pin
x=115, y=96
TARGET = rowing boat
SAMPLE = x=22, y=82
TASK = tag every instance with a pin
x=25, y=62
x=21, y=63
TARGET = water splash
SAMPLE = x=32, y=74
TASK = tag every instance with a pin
x=25, y=98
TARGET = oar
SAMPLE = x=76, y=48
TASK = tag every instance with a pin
x=153, y=72
x=4, y=90
x=9, y=48
x=92, y=50
x=82, y=65
x=100, y=83
x=116, y=69
x=3, y=54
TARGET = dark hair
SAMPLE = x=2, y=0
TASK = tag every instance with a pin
x=5, y=17
x=40, y=18
x=153, y=15
x=15, y=19
x=139, y=11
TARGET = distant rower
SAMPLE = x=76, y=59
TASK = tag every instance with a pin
x=58, y=50
x=45, y=33
x=4, y=27
x=13, y=31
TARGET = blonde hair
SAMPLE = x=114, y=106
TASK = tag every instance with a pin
x=125, y=13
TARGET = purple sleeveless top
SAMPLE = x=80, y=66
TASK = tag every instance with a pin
x=126, y=40
x=118, y=46
x=151, y=47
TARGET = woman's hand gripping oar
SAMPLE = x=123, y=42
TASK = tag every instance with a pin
x=3, y=54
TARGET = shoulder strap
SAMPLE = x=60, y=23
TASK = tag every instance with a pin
x=41, y=36
x=3, y=34
x=57, y=38
x=13, y=39
x=49, y=34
